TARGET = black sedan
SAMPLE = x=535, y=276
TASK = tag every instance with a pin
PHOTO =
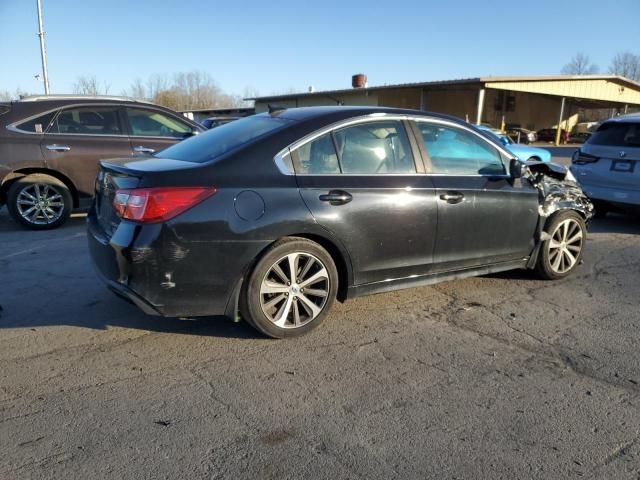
x=273, y=217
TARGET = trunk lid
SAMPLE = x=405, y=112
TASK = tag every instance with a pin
x=127, y=173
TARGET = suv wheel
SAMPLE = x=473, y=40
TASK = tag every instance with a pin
x=291, y=289
x=39, y=202
x=561, y=253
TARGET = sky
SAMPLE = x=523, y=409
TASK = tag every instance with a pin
x=278, y=46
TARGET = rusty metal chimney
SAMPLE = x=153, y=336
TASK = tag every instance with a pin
x=359, y=80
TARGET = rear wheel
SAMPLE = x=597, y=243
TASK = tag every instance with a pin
x=39, y=201
x=291, y=289
x=562, y=252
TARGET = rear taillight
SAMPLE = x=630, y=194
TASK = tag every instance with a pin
x=152, y=205
x=581, y=158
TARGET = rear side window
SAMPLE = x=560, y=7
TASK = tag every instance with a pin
x=317, y=157
x=88, y=121
x=366, y=149
x=378, y=147
x=151, y=123
x=454, y=151
x=220, y=140
x=38, y=124
x=616, y=134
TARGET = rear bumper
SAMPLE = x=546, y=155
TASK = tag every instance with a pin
x=617, y=196
x=163, y=274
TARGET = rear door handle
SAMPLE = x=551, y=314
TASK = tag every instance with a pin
x=336, y=197
x=141, y=149
x=58, y=148
x=452, y=197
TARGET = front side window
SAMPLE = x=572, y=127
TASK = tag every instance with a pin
x=455, y=151
x=151, y=123
x=38, y=124
x=88, y=121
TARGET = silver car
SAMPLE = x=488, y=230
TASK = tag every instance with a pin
x=607, y=165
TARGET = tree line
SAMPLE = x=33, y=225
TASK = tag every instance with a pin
x=625, y=64
x=180, y=91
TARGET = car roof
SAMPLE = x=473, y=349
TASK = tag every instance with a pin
x=628, y=118
x=348, y=111
x=79, y=98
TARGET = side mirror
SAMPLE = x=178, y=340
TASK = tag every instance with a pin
x=516, y=168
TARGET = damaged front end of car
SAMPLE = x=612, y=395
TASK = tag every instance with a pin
x=558, y=190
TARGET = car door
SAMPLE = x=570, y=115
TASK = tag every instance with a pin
x=361, y=183
x=151, y=130
x=79, y=137
x=484, y=215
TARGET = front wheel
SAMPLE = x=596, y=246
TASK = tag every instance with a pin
x=291, y=288
x=39, y=202
x=562, y=252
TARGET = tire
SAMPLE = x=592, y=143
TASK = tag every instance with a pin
x=265, y=310
x=601, y=208
x=533, y=159
x=562, y=252
x=39, y=202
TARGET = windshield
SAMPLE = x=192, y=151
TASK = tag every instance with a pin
x=621, y=134
x=214, y=143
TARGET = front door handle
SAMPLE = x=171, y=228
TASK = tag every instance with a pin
x=336, y=197
x=58, y=148
x=452, y=197
x=141, y=149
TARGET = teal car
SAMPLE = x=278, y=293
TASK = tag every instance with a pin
x=522, y=152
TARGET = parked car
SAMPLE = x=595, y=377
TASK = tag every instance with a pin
x=522, y=152
x=549, y=135
x=277, y=215
x=50, y=147
x=607, y=165
x=213, y=122
x=577, y=137
x=524, y=135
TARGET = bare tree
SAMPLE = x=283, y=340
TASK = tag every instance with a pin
x=580, y=64
x=183, y=91
x=90, y=86
x=7, y=96
x=626, y=64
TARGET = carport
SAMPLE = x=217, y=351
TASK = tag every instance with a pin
x=530, y=102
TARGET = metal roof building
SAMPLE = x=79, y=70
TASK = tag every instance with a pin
x=532, y=102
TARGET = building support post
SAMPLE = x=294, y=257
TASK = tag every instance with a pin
x=559, y=130
x=626, y=108
x=480, y=106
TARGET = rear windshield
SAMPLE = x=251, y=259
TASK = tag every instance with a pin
x=214, y=143
x=617, y=134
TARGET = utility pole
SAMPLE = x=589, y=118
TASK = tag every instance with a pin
x=43, y=53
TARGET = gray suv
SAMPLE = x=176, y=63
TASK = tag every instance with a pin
x=607, y=166
x=50, y=147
